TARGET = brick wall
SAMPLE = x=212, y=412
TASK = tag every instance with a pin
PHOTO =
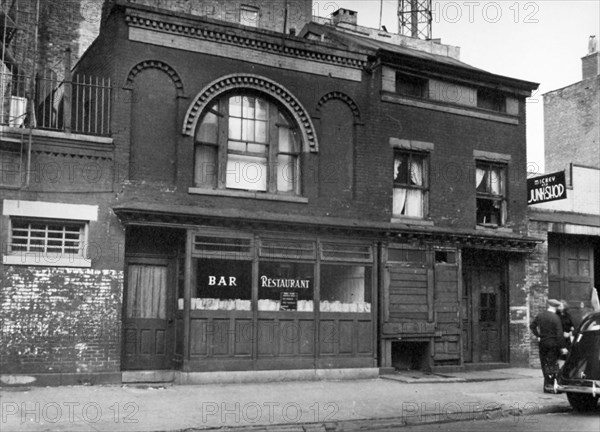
x=271, y=12
x=571, y=125
x=536, y=283
x=58, y=320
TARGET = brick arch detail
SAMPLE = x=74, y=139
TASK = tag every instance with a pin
x=155, y=64
x=262, y=85
x=344, y=98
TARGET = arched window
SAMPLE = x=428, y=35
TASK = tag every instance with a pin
x=247, y=142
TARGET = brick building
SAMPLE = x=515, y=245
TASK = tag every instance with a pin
x=321, y=199
x=567, y=264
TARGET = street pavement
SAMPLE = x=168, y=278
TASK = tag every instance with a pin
x=390, y=401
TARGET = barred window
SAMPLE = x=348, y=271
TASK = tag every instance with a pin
x=60, y=238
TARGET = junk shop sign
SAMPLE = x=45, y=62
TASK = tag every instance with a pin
x=549, y=187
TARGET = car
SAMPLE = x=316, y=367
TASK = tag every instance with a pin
x=579, y=377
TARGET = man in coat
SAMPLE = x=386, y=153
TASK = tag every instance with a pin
x=548, y=329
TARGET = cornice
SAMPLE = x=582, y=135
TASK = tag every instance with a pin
x=203, y=30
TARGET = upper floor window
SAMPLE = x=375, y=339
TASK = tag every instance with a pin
x=249, y=15
x=248, y=143
x=490, y=183
x=409, y=85
x=491, y=100
x=410, y=184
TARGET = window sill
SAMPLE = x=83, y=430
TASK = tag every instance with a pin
x=40, y=260
x=411, y=221
x=245, y=194
x=494, y=228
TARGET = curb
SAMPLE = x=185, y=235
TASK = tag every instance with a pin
x=492, y=414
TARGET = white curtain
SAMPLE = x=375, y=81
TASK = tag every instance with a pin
x=496, y=182
x=480, y=175
x=414, y=203
x=416, y=173
x=147, y=292
x=397, y=163
x=399, y=201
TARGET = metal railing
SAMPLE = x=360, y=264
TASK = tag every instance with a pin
x=78, y=104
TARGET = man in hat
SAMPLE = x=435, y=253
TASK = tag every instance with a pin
x=548, y=329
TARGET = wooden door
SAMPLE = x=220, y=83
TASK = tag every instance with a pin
x=570, y=269
x=148, y=316
x=483, y=308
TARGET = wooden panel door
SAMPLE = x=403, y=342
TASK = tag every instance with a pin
x=483, y=306
x=147, y=320
x=570, y=270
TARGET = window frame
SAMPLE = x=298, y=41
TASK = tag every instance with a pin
x=245, y=9
x=412, y=82
x=46, y=257
x=491, y=100
x=221, y=109
x=425, y=157
x=490, y=196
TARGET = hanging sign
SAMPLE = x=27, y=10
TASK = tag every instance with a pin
x=549, y=187
x=289, y=301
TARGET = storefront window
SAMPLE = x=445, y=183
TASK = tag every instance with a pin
x=285, y=286
x=345, y=288
x=222, y=285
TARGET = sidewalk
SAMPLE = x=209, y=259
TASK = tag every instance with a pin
x=389, y=401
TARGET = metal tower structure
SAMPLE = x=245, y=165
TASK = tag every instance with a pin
x=414, y=18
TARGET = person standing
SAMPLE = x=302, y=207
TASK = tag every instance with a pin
x=567, y=327
x=548, y=329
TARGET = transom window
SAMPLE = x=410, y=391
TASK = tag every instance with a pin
x=248, y=143
x=410, y=184
x=490, y=182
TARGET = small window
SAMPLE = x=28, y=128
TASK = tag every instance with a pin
x=290, y=249
x=219, y=246
x=346, y=252
x=491, y=100
x=410, y=184
x=409, y=85
x=249, y=15
x=46, y=241
x=490, y=184
x=445, y=257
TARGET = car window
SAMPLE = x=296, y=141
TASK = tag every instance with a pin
x=593, y=324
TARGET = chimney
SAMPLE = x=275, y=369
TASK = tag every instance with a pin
x=590, y=64
x=344, y=16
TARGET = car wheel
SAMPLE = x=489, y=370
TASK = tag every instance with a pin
x=582, y=401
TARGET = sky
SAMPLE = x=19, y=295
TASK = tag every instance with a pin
x=540, y=41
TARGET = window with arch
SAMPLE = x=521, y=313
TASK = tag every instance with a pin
x=247, y=142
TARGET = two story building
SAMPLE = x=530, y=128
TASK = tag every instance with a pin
x=323, y=198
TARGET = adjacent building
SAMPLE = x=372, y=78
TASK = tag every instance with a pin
x=321, y=197
x=567, y=264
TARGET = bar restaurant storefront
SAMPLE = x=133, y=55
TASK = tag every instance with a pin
x=208, y=298
x=231, y=292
